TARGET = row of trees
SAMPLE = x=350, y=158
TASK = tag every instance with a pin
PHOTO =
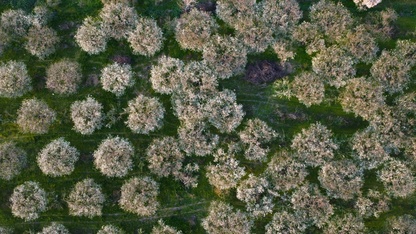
x=138, y=196
x=57, y=228
x=118, y=20
x=145, y=115
x=39, y=39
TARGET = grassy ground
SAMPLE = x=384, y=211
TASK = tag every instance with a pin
x=180, y=207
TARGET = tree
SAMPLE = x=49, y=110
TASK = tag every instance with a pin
x=334, y=20
x=364, y=4
x=12, y=160
x=360, y=44
x=253, y=33
x=308, y=88
x=369, y=149
x=285, y=173
x=225, y=55
x=147, y=37
x=254, y=192
x=15, y=22
x=114, y=157
x=162, y=228
x=223, y=111
x=397, y=178
x=63, y=77
x=118, y=19
x=54, y=228
x=311, y=35
x=87, y=115
x=41, y=41
x=145, y=114
x=254, y=136
x=197, y=81
x=257, y=130
x=166, y=159
x=281, y=16
x=14, y=79
x=392, y=68
x=86, y=199
x=28, y=201
x=165, y=76
x=380, y=23
x=362, y=97
x=40, y=16
x=309, y=203
x=223, y=219
x=231, y=10
x=196, y=139
x=116, y=78
x=402, y=224
x=194, y=29
x=285, y=222
x=90, y=36
x=5, y=230
x=110, y=229
x=334, y=65
x=341, y=179
x=197, y=85
x=226, y=172
x=314, y=145
x=345, y=224
x=164, y=156
x=139, y=196
x=283, y=49
x=34, y=116
x=373, y=204
x=57, y=158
